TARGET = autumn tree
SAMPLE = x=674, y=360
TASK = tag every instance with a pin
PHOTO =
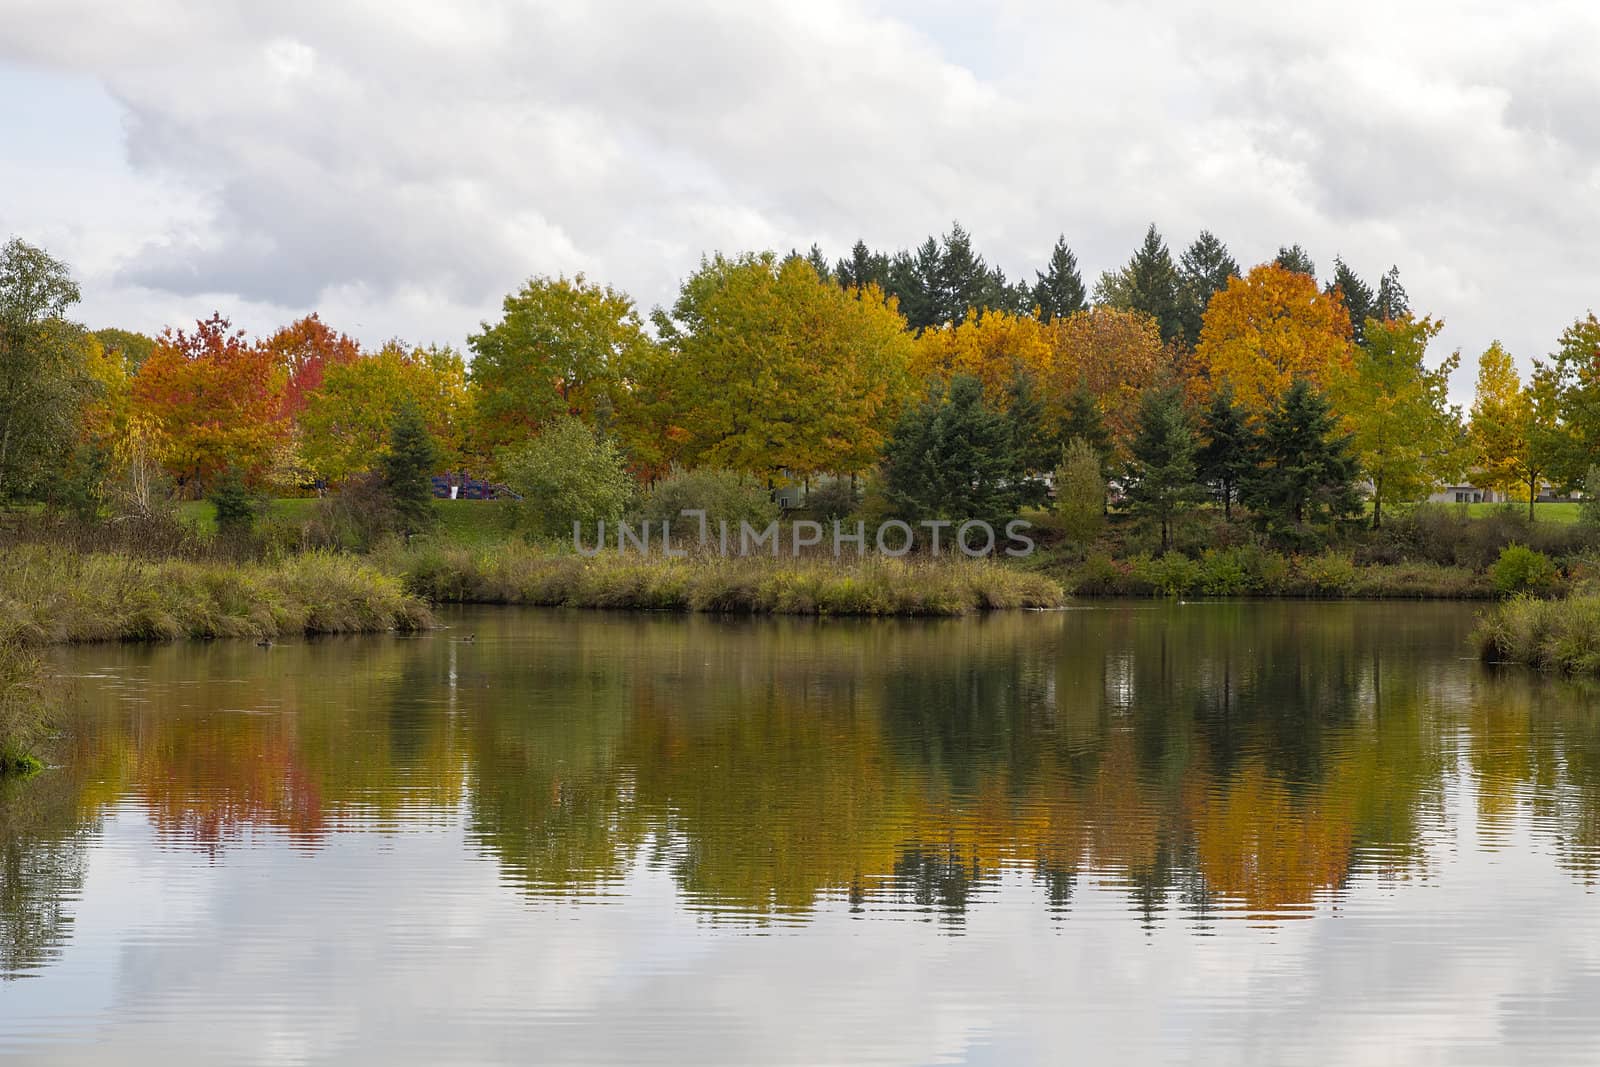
x=1080, y=492
x=128, y=346
x=1114, y=355
x=770, y=369
x=1513, y=427
x=1406, y=435
x=567, y=474
x=1228, y=450
x=44, y=379
x=1308, y=471
x=304, y=350
x=216, y=400
x=1269, y=328
x=555, y=351
x=1161, y=478
x=995, y=349
x=1059, y=291
x=1203, y=271
x=345, y=428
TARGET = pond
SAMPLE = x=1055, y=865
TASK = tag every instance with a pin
x=1133, y=833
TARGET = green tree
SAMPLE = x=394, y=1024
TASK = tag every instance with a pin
x=951, y=457
x=864, y=267
x=1574, y=375
x=1080, y=492
x=1161, y=479
x=1296, y=259
x=235, y=506
x=1406, y=435
x=566, y=475
x=1228, y=455
x=1308, y=472
x=555, y=351
x=1391, y=301
x=1203, y=272
x=44, y=377
x=914, y=283
x=407, y=469
x=1356, y=294
x=1515, y=435
x=127, y=347
x=1149, y=283
x=1589, y=506
x=1032, y=449
x=1059, y=291
x=1083, y=421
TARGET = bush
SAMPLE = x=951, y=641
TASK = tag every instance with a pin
x=1171, y=574
x=1563, y=635
x=236, y=507
x=1329, y=574
x=1224, y=573
x=723, y=495
x=1080, y=493
x=1589, y=507
x=1520, y=569
x=353, y=519
x=832, y=500
x=566, y=475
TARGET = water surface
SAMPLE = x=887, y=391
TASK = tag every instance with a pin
x=1136, y=833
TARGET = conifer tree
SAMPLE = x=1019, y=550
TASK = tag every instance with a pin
x=1357, y=297
x=407, y=469
x=1059, y=291
x=1391, y=303
x=1203, y=271
x=1161, y=480
x=1296, y=259
x=1152, y=285
x=1083, y=421
x=952, y=457
x=1308, y=470
x=1228, y=455
x=1032, y=450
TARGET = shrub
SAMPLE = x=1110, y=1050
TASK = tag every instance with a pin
x=236, y=507
x=832, y=500
x=1101, y=575
x=1223, y=573
x=723, y=495
x=1589, y=507
x=1080, y=493
x=1171, y=574
x=1330, y=574
x=566, y=475
x=1520, y=569
x=355, y=518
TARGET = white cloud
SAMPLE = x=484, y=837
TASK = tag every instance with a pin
x=406, y=165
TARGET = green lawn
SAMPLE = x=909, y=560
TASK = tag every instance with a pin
x=1563, y=513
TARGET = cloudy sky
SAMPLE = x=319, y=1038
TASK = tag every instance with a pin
x=399, y=166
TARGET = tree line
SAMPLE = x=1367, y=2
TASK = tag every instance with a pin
x=927, y=373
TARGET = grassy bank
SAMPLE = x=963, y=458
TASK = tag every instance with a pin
x=1254, y=572
x=1562, y=635
x=51, y=594
x=516, y=574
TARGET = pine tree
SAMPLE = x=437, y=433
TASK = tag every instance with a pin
x=1357, y=297
x=1203, y=271
x=864, y=267
x=964, y=283
x=951, y=457
x=235, y=505
x=1161, y=481
x=407, y=469
x=1296, y=259
x=1228, y=456
x=819, y=263
x=1308, y=471
x=1083, y=421
x=914, y=281
x=1152, y=283
x=1032, y=450
x=1391, y=302
x=1059, y=291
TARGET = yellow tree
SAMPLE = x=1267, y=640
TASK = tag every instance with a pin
x=1404, y=430
x=1114, y=355
x=344, y=425
x=1267, y=329
x=768, y=368
x=1513, y=427
x=995, y=349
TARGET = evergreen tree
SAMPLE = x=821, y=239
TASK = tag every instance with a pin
x=1391, y=302
x=1059, y=291
x=1152, y=283
x=1357, y=297
x=1161, y=481
x=819, y=263
x=1032, y=450
x=1203, y=271
x=964, y=282
x=1296, y=259
x=1308, y=471
x=1083, y=421
x=407, y=469
x=1228, y=456
x=951, y=457
x=914, y=281
x=234, y=504
x=864, y=267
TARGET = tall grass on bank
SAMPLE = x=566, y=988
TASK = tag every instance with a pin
x=24, y=708
x=51, y=594
x=517, y=574
x=1562, y=635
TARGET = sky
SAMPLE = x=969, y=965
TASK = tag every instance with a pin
x=400, y=166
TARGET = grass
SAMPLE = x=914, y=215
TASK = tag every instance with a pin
x=50, y=594
x=469, y=522
x=512, y=573
x=1562, y=635
x=1561, y=513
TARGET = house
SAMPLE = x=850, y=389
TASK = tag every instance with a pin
x=1466, y=493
